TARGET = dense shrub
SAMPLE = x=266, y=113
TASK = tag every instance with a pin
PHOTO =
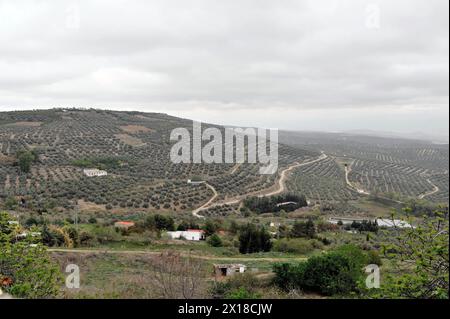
x=103, y=163
x=160, y=222
x=26, y=271
x=303, y=230
x=365, y=225
x=295, y=246
x=210, y=227
x=214, y=241
x=287, y=203
x=253, y=239
x=25, y=159
x=239, y=286
x=373, y=258
x=337, y=272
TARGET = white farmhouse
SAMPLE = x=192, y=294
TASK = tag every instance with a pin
x=94, y=172
x=190, y=234
x=195, y=183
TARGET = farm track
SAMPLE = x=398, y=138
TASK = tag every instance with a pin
x=205, y=206
x=184, y=254
x=284, y=174
x=362, y=191
x=347, y=180
x=281, y=187
x=429, y=193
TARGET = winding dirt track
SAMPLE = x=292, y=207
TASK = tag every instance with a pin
x=284, y=175
x=281, y=187
x=205, y=206
x=429, y=193
x=362, y=191
x=347, y=180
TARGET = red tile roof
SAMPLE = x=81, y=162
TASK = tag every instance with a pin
x=196, y=230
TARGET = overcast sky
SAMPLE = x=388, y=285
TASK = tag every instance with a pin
x=326, y=65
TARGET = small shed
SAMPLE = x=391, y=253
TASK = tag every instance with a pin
x=227, y=270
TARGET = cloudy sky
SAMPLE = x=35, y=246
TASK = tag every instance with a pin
x=325, y=65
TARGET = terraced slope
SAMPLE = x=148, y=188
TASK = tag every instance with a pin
x=141, y=175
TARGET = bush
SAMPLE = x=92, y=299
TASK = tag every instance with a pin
x=294, y=246
x=253, y=240
x=31, y=222
x=329, y=274
x=239, y=286
x=242, y=293
x=210, y=227
x=304, y=230
x=427, y=247
x=11, y=203
x=160, y=222
x=289, y=202
x=214, y=241
x=27, y=270
x=373, y=258
x=365, y=225
x=25, y=159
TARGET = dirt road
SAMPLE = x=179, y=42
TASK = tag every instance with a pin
x=284, y=174
x=362, y=191
x=281, y=187
x=205, y=206
x=429, y=193
x=347, y=180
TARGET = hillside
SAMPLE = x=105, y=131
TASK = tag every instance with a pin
x=133, y=147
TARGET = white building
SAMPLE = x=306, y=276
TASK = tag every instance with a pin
x=393, y=223
x=94, y=172
x=190, y=234
x=195, y=182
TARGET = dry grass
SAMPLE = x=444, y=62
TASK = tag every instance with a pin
x=136, y=129
x=130, y=140
x=90, y=207
x=6, y=159
x=25, y=124
x=124, y=276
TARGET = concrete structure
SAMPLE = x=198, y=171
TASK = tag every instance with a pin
x=227, y=270
x=94, y=172
x=190, y=234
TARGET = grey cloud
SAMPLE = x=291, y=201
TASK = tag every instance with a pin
x=247, y=54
